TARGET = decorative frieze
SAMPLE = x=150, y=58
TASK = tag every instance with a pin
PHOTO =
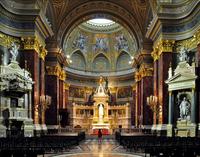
x=190, y=43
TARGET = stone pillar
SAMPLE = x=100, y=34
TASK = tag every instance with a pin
x=66, y=95
x=132, y=105
x=32, y=58
x=164, y=50
x=146, y=90
x=171, y=108
x=137, y=98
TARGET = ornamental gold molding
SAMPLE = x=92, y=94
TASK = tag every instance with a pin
x=30, y=43
x=6, y=40
x=144, y=71
x=137, y=76
x=62, y=75
x=43, y=53
x=56, y=71
x=190, y=43
x=155, y=54
x=67, y=85
x=33, y=43
x=165, y=46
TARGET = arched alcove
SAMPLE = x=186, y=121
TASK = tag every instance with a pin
x=123, y=61
x=101, y=63
x=78, y=60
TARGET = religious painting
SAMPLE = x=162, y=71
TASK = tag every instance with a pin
x=124, y=92
x=76, y=92
x=101, y=44
x=80, y=43
x=121, y=43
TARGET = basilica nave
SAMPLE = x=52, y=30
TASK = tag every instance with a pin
x=112, y=77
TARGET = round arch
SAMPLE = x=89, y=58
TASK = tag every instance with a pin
x=78, y=60
x=122, y=61
x=101, y=63
x=91, y=10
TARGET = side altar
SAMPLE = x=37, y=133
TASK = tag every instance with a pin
x=182, y=99
x=101, y=115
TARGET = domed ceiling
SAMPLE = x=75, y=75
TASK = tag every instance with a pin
x=100, y=45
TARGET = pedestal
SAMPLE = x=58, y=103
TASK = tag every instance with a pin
x=37, y=129
x=169, y=130
x=185, y=129
x=2, y=129
x=28, y=128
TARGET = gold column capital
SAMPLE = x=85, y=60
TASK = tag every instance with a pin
x=31, y=43
x=165, y=46
x=54, y=70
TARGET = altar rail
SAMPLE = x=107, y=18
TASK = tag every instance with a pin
x=160, y=145
x=34, y=146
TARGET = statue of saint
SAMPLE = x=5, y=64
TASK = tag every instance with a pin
x=184, y=108
x=14, y=51
x=183, y=54
x=101, y=80
x=101, y=111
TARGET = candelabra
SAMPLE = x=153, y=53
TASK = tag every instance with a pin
x=152, y=101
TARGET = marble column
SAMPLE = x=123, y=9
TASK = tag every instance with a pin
x=33, y=68
x=52, y=89
x=193, y=107
x=146, y=90
x=171, y=108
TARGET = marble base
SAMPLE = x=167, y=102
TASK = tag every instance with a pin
x=185, y=128
x=170, y=130
x=28, y=128
x=2, y=131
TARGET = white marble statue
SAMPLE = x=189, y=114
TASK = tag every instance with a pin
x=14, y=51
x=183, y=55
x=184, y=109
x=101, y=111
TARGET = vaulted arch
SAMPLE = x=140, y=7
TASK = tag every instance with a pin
x=78, y=60
x=123, y=61
x=101, y=63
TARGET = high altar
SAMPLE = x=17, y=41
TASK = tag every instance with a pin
x=101, y=115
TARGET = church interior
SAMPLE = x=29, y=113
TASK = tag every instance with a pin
x=99, y=78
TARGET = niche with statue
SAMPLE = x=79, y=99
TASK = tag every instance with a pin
x=182, y=98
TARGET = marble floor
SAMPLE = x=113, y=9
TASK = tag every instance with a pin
x=91, y=148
